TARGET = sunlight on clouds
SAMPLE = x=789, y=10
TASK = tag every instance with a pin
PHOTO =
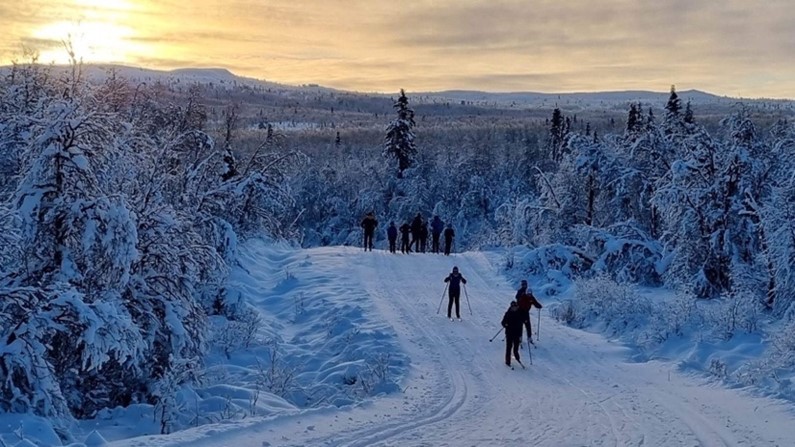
x=111, y=5
x=381, y=45
x=90, y=41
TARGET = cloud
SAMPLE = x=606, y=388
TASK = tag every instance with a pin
x=502, y=44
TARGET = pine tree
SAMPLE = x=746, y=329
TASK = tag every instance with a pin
x=689, y=118
x=557, y=133
x=399, y=142
x=674, y=104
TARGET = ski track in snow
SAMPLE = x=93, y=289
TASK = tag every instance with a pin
x=580, y=391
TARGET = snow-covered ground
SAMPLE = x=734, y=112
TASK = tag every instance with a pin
x=580, y=389
x=340, y=312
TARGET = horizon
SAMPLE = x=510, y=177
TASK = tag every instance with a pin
x=370, y=46
x=174, y=71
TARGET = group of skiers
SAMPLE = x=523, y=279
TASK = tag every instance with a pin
x=516, y=317
x=413, y=235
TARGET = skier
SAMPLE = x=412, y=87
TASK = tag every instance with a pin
x=449, y=234
x=391, y=234
x=416, y=226
x=526, y=301
x=512, y=321
x=423, y=236
x=437, y=226
x=405, y=245
x=368, y=224
x=454, y=292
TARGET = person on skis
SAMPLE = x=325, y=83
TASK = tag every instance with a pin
x=454, y=292
x=368, y=224
x=437, y=226
x=405, y=244
x=416, y=228
x=391, y=234
x=526, y=301
x=512, y=321
x=449, y=235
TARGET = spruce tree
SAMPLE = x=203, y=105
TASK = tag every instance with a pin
x=674, y=104
x=557, y=132
x=399, y=142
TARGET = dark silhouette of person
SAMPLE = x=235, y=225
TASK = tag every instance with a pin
x=449, y=235
x=526, y=301
x=391, y=235
x=454, y=292
x=437, y=226
x=368, y=224
x=512, y=321
x=423, y=236
x=405, y=245
x=416, y=227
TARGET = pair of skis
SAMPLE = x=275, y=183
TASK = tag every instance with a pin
x=530, y=346
x=520, y=364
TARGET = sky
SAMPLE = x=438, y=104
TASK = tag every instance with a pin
x=341, y=313
x=739, y=48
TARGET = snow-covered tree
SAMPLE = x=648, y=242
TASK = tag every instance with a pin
x=399, y=143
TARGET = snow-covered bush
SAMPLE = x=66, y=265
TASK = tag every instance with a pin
x=619, y=308
x=677, y=317
x=774, y=370
x=733, y=314
x=624, y=252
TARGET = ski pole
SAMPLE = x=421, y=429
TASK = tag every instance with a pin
x=467, y=295
x=530, y=352
x=538, y=326
x=495, y=335
x=441, y=300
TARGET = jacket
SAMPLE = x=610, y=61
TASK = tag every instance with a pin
x=526, y=301
x=513, y=322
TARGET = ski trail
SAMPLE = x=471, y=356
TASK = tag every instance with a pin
x=580, y=390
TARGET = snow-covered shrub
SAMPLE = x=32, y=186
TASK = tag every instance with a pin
x=678, y=317
x=277, y=376
x=239, y=332
x=733, y=314
x=775, y=368
x=602, y=301
x=624, y=252
x=571, y=261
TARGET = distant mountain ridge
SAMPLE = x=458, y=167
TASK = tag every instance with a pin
x=697, y=96
x=223, y=75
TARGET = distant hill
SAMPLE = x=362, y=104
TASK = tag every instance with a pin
x=623, y=97
x=608, y=99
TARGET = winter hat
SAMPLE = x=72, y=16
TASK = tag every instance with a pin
x=455, y=269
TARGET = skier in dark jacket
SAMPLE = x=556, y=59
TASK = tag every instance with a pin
x=416, y=228
x=526, y=301
x=405, y=245
x=423, y=236
x=512, y=321
x=437, y=226
x=454, y=292
x=449, y=234
x=368, y=224
x=391, y=234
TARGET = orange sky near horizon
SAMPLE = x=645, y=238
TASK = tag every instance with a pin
x=730, y=47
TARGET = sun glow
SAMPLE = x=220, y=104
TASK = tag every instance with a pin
x=88, y=41
x=91, y=30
